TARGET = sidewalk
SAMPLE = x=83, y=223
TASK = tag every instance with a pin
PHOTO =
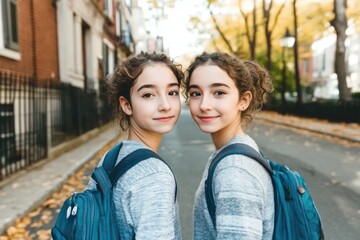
x=340, y=164
x=346, y=131
x=33, y=186
x=29, y=189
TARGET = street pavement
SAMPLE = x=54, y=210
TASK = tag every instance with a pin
x=27, y=190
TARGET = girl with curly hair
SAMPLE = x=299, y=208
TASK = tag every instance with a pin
x=223, y=92
x=144, y=94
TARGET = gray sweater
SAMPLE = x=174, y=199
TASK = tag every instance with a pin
x=145, y=199
x=244, y=199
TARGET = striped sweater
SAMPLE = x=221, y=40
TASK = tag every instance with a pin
x=145, y=199
x=244, y=198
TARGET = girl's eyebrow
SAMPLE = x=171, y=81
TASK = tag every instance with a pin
x=212, y=85
x=174, y=84
x=146, y=86
x=219, y=85
x=153, y=86
x=193, y=86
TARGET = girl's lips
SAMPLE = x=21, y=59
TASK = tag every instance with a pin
x=207, y=118
x=164, y=119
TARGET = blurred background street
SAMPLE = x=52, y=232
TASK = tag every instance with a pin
x=55, y=57
x=330, y=166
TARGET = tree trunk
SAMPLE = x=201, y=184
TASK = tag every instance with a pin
x=250, y=36
x=253, y=43
x=340, y=25
x=222, y=34
x=266, y=16
x=283, y=78
x=266, y=8
x=296, y=58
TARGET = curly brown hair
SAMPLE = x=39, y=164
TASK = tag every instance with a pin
x=247, y=75
x=120, y=82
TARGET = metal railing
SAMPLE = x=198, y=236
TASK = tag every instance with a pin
x=36, y=115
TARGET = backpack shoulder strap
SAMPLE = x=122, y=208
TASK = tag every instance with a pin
x=236, y=148
x=111, y=157
x=101, y=173
x=131, y=160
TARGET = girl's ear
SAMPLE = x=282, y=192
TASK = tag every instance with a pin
x=125, y=105
x=245, y=100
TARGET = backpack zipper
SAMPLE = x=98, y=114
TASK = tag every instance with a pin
x=86, y=226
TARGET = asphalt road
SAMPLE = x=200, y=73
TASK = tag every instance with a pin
x=187, y=149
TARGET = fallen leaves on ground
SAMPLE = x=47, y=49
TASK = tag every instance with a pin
x=38, y=223
x=345, y=129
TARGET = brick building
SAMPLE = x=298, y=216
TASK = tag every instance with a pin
x=75, y=43
x=28, y=38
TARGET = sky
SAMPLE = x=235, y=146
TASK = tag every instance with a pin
x=178, y=39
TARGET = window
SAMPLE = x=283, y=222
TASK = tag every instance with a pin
x=128, y=3
x=109, y=8
x=323, y=63
x=127, y=34
x=306, y=64
x=108, y=58
x=105, y=60
x=119, y=22
x=10, y=24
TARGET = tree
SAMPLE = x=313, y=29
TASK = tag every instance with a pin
x=266, y=8
x=217, y=27
x=296, y=57
x=238, y=33
x=250, y=27
x=251, y=38
x=340, y=25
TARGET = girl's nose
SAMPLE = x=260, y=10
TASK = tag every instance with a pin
x=204, y=104
x=164, y=104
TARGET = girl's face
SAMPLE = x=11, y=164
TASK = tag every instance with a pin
x=214, y=100
x=155, y=101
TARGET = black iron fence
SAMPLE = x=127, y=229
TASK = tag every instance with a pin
x=331, y=110
x=36, y=115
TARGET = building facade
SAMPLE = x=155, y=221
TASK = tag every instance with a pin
x=80, y=33
x=54, y=55
x=324, y=81
x=28, y=38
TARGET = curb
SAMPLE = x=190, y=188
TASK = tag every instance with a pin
x=351, y=139
x=28, y=189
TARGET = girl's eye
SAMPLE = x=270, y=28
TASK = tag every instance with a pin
x=174, y=93
x=219, y=93
x=147, y=95
x=194, y=94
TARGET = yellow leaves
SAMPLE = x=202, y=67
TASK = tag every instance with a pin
x=37, y=224
x=17, y=233
x=11, y=231
x=43, y=234
x=51, y=203
x=34, y=213
x=45, y=218
x=313, y=126
x=23, y=223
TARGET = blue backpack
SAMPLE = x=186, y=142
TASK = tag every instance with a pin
x=296, y=216
x=91, y=214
